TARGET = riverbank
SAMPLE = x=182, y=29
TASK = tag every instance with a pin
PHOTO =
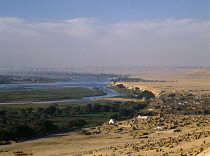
x=133, y=85
x=77, y=82
x=118, y=99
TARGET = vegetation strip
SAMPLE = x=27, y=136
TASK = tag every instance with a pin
x=28, y=121
x=11, y=79
x=49, y=94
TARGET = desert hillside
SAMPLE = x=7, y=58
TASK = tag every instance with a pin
x=197, y=82
x=201, y=73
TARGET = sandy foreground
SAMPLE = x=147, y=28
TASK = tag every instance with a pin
x=110, y=143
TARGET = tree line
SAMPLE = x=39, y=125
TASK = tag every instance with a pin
x=133, y=93
x=26, y=123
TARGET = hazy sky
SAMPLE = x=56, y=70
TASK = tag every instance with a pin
x=104, y=33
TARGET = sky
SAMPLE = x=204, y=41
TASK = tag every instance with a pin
x=78, y=33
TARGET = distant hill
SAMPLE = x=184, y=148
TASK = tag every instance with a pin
x=200, y=73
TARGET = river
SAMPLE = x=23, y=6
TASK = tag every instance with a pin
x=87, y=82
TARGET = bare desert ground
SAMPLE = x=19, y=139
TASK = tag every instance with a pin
x=196, y=82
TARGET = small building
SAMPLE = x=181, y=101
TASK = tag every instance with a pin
x=112, y=121
x=158, y=127
x=143, y=117
x=182, y=104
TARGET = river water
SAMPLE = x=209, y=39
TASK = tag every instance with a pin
x=87, y=82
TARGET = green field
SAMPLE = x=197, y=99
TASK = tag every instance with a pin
x=92, y=119
x=48, y=95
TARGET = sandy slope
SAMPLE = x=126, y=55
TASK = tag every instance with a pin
x=205, y=152
x=63, y=144
x=106, y=143
x=197, y=82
